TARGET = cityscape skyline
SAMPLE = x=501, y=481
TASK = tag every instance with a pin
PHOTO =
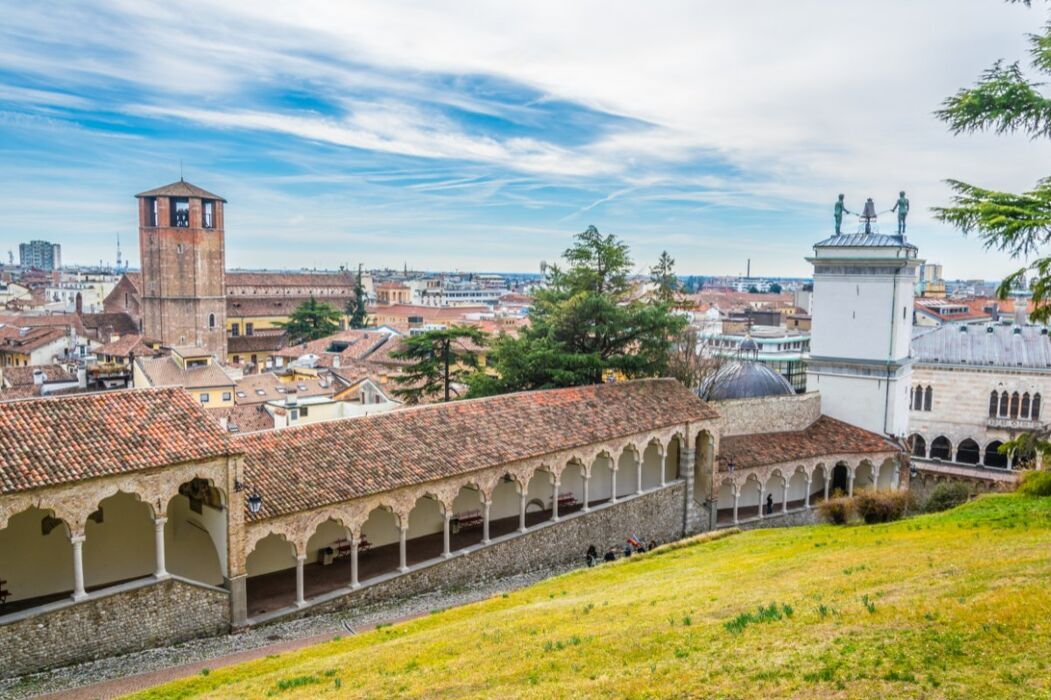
x=474, y=142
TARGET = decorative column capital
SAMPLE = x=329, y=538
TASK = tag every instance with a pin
x=77, y=539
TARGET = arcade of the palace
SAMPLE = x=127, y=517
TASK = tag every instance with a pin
x=132, y=507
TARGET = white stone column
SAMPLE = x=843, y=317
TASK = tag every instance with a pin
x=554, y=499
x=850, y=483
x=762, y=501
x=784, y=499
x=809, y=483
x=446, y=549
x=487, y=506
x=158, y=544
x=664, y=469
x=354, y=562
x=737, y=499
x=895, y=475
x=402, y=559
x=521, y=510
x=78, y=567
x=587, y=481
x=300, y=598
x=638, y=475
x=828, y=481
x=613, y=478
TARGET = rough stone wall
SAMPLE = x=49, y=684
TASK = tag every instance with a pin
x=653, y=516
x=769, y=414
x=793, y=518
x=167, y=612
x=922, y=486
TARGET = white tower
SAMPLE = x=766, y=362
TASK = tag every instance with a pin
x=862, y=329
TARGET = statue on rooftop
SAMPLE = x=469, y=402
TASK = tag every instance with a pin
x=840, y=209
x=868, y=215
x=902, y=207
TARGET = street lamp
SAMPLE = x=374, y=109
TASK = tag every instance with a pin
x=255, y=503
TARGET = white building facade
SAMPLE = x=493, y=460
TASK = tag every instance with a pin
x=860, y=357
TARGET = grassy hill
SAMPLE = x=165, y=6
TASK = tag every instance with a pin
x=955, y=605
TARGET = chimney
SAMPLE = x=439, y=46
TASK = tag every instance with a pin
x=1021, y=310
x=38, y=376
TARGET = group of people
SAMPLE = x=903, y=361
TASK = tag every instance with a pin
x=633, y=545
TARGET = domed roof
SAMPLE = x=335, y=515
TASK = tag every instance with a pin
x=743, y=379
x=748, y=345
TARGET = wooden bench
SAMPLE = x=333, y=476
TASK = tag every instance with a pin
x=342, y=548
x=363, y=545
x=567, y=500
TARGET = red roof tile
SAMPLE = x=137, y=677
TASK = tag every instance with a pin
x=305, y=467
x=51, y=441
x=825, y=436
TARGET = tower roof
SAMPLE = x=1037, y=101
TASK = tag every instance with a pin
x=865, y=240
x=180, y=189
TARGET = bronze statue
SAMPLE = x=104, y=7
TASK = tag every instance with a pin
x=902, y=207
x=840, y=209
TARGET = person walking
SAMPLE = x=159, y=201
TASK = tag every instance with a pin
x=592, y=555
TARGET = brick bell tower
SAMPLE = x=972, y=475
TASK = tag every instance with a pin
x=182, y=249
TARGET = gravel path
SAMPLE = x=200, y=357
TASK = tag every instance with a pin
x=111, y=677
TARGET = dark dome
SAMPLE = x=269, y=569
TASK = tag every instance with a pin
x=744, y=380
x=748, y=345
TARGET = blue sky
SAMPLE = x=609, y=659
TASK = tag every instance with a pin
x=481, y=136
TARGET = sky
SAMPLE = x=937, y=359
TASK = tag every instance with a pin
x=483, y=135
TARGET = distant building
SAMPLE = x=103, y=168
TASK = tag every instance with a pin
x=40, y=255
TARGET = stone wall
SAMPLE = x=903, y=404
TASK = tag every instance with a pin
x=133, y=618
x=793, y=518
x=656, y=515
x=769, y=414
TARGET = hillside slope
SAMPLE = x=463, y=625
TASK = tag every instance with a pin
x=955, y=605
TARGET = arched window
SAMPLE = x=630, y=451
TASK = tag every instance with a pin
x=994, y=404
x=211, y=320
x=919, y=445
x=917, y=398
x=1014, y=405
x=992, y=457
x=1035, y=412
x=928, y=396
x=1024, y=412
x=941, y=448
x=1003, y=404
x=968, y=452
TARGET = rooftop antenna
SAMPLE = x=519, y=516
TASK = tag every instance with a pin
x=180, y=171
x=118, y=251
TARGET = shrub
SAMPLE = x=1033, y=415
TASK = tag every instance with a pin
x=836, y=510
x=946, y=495
x=882, y=506
x=1036, y=483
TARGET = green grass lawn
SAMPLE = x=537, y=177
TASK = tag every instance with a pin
x=954, y=605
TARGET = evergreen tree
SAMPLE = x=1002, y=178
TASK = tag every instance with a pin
x=438, y=359
x=775, y=288
x=583, y=326
x=311, y=320
x=663, y=277
x=359, y=316
x=1004, y=100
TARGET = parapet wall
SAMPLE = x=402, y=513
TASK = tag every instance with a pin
x=134, y=617
x=768, y=414
x=656, y=515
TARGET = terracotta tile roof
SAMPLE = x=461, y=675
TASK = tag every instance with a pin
x=126, y=345
x=45, y=320
x=25, y=340
x=263, y=340
x=243, y=419
x=180, y=189
x=269, y=383
x=135, y=278
x=356, y=344
x=52, y=441
x=247, y=306
x=163, y=371
x=288, y=279
x=118, y=323
x=304, y=467
x=825, y=436
x=24, y=376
